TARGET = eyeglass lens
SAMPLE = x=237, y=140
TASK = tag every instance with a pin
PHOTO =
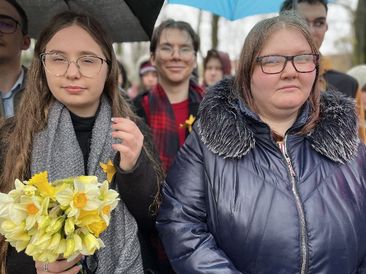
x=168, y=51
x=7, y=25
x=57, y=64
x=276, y=63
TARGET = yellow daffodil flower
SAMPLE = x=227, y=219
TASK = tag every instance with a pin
x=109, y=200
x=64, y=218
x=82, y=197
x=41, y=182
x=109, y=169
x=188, y=123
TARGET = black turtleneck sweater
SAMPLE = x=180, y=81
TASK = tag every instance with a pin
x=83, y=129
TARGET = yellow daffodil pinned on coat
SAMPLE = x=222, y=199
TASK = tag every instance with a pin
x=63, y=218
x=188, y=123
x=109, y=169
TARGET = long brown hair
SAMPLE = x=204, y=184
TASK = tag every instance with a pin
x=252, y=47
x=33, y=112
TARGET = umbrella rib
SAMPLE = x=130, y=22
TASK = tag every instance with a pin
x=67, y=4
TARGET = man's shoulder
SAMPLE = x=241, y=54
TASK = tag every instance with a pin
x=341, y=82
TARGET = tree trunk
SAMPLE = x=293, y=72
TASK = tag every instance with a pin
x=360, y=33
x=214, y=31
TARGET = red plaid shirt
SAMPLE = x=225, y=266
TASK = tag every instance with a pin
x=158, y=113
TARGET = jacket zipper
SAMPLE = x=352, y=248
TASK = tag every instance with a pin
x=300, y=210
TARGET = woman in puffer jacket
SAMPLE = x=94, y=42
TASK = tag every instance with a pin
x=273, y=177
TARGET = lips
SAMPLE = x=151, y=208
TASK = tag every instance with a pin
x=175, y=68
x=74, y=89
x=288, y=87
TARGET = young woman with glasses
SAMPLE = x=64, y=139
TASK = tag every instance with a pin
x=72, y=118
x=272, y=178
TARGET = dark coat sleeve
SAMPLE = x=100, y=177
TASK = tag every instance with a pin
x=182, y=219
x=139, y=187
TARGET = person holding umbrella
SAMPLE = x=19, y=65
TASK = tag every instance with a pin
x=74, y=113
x=272, y=178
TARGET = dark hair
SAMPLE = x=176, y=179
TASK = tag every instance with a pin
x=289, y=4
x=172, y=24
x=22, y=14
x=223, y=57
x=255, y=41
x=123, y=72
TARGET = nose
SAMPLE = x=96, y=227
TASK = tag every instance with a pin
x=73, y=70
x=176, y=53
x=289, y=70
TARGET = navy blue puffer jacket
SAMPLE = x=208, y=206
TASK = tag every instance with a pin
x=234, y=203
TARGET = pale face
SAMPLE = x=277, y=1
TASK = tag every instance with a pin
x=81, y=95
x=11, y=45
x=280, y=96
x=213, y=72
x=149, y=79
x=177, y=68
x=316, y=16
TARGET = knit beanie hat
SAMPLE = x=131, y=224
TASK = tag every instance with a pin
x=146, y=67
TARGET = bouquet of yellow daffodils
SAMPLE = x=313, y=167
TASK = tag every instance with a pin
x=62, y=219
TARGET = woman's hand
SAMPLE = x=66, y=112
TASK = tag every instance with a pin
x=131, y=141
x=59, y=267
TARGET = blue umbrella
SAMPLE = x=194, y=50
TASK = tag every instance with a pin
x=234, y=9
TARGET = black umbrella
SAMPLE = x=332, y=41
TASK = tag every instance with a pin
x=126, y=20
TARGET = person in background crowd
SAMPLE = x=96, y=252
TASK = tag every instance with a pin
x=168, y=106
x=216, y=66
x=359, y=73
x=14, y=39
x=315, y=14
x=74, y=113
x=268, y=182
x=148, y=76
x=148, y=79
x=123, y=81
x=171, y=106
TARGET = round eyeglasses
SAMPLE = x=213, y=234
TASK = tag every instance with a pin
x=8, y=25
x=166, y=52
x=57, y=64
x=273, y=64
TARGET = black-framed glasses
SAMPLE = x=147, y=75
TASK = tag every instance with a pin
x=303, y=63
x=58, y=64
x=8, y=25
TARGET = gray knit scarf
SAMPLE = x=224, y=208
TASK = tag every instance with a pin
x=57, y=151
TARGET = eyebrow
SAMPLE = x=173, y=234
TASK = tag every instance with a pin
x=181, y=45
x=80, y=53
x=4, y=16
x=317, y=19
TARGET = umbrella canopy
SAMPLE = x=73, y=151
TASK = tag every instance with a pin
x=234, y=9
x=125, y=20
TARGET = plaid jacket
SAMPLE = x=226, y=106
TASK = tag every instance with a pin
x=155, y=108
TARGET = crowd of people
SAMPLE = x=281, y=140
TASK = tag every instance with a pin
x=257, y=169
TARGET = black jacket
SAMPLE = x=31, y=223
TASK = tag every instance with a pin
x=342, y=82
x=233, y=203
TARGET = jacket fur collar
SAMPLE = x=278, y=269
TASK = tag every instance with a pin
x=223, y=127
